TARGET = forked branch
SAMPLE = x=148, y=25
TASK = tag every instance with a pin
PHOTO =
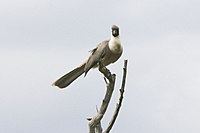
x=95, y=122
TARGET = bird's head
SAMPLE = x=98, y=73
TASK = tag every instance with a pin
x=115, y=30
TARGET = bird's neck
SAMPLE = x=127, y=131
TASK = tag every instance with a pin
x=115, y=44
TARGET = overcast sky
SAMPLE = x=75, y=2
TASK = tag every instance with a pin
x=40, y=40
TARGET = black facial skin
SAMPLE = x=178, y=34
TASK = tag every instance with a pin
x=115, y=32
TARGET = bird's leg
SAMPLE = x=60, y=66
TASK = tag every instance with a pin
x=104, y=70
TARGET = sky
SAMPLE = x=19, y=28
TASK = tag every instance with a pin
x=40, y=40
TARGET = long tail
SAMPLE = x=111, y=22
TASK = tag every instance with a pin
x=68, y=78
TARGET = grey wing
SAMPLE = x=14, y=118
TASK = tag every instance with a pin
x=95, y=57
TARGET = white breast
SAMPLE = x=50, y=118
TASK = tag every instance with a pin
x=115, y=45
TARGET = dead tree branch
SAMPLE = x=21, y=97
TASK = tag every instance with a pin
x=110, y=87
x=95, y=122
x=118, y=105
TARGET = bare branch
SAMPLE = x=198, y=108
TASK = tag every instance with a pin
x=118, y=105
x=98, y=128
x=110, y=87
x=95, y=122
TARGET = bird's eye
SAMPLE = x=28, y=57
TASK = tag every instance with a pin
x=115, y=32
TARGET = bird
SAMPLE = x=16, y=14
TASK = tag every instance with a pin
x=106, y=52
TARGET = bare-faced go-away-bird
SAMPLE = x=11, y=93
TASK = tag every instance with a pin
x=107, y=52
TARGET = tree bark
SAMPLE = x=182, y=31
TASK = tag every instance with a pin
x=95, y=122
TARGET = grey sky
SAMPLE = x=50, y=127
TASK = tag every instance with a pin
x=38, y=42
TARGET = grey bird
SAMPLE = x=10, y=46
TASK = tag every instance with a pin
x=108, y=51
